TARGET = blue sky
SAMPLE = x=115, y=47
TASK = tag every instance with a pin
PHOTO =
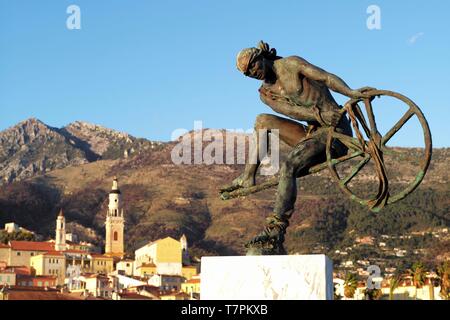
x=150, y=67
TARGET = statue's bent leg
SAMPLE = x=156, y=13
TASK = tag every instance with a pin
x=290, y=132
x=305, y=155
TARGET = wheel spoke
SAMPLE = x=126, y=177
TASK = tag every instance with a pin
x=375, y=135
x=397, y=126
x=355, y=170
x=362, y=120
x=336, y=161
x=349, y=142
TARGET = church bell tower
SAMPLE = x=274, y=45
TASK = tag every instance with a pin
x=114, y=223
x=60, y=237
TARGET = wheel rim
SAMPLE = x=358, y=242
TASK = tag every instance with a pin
x=375, y=147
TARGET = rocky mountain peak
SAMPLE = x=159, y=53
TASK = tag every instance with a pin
x=31, y=147
x=24, y=132
x=89, y=128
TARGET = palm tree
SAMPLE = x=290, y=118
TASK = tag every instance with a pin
x=373, y=294
x=417, y=273
x=394, y=282
x=350, y=285
x=443, y=272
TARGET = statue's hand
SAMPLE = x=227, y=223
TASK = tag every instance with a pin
x=362, y=93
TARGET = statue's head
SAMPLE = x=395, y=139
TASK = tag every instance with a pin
x=256, y=62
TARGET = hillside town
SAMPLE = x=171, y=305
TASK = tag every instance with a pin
x=65, y=268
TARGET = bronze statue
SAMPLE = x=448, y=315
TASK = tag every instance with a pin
x=300, y=90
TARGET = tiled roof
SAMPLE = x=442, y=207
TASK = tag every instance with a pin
x=134, y=296
x=22, y=293
x=2, y=245
x=20, y=270
x=53, y=253
x=193, y=281
x=182, y=294
x=32, y=246
x=174, y=294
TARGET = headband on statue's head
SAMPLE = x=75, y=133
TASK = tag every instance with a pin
x=247, y=56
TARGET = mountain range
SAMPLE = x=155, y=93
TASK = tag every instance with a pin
x=44, y=169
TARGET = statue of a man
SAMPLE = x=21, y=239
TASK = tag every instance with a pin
x=298, y=90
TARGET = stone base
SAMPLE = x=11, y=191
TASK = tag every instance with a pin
x=288, y=277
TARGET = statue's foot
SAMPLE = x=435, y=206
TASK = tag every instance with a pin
x=239, y=182
x=265, y=249
x=270, y=241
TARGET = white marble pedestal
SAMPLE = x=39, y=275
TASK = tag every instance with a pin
x=296, y=277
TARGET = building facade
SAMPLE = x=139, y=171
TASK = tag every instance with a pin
x=4, y=253
x=165, y=253
x=50, y=264
x=21, y=252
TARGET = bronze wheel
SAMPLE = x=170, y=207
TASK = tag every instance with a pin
x=369, y=145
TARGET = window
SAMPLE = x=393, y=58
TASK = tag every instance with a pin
x=39, y=283
x=46, y=283
x=18, y=253
x=32, y=254
x=115, y=236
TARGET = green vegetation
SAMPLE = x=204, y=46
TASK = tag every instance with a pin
x=443, y=272
x=350, y=285
x=5, y=237
x=394, y=282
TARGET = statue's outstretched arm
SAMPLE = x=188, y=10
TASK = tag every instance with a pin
x=330, y=80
